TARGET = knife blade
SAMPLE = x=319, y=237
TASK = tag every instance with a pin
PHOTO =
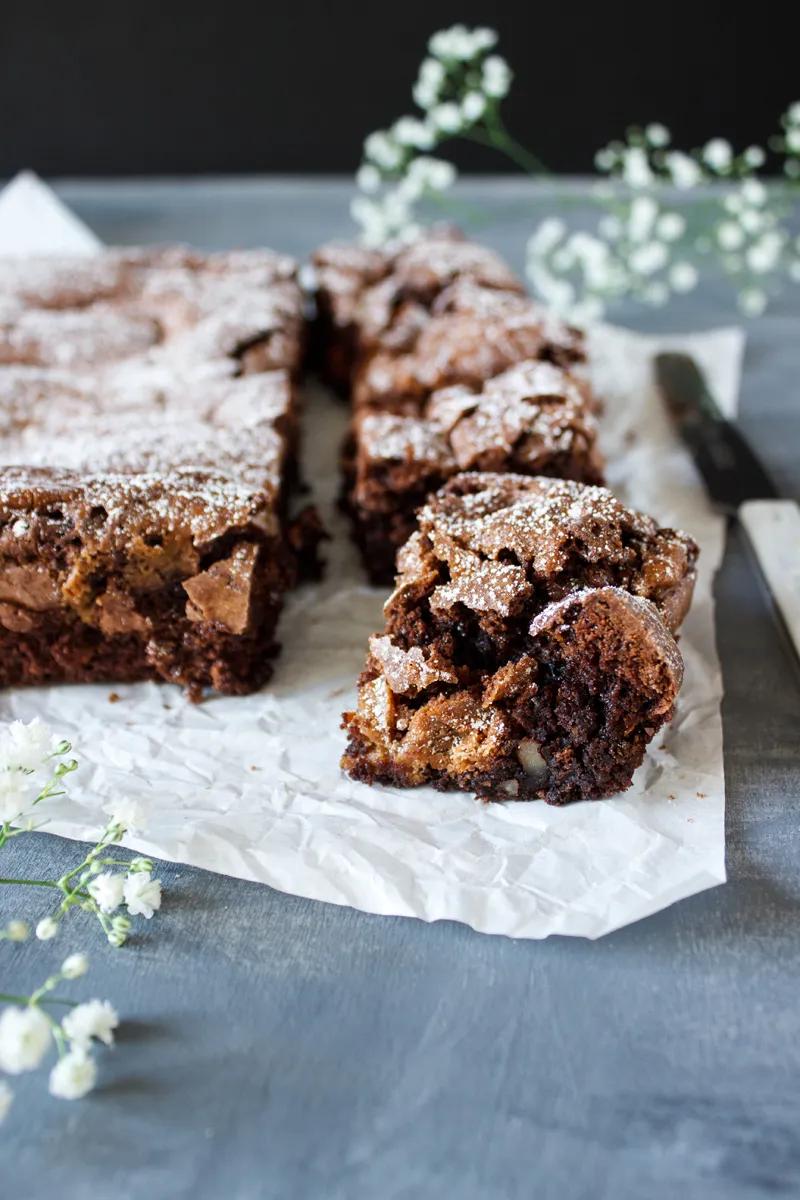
x=737, y=482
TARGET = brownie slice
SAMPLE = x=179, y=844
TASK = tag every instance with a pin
x=148, y=443
x=528, y=649
x=155, y=549
x=369, y=299
x=534, y=419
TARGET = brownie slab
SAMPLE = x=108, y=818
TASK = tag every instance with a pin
x=148, y=438
x=533, y=418
x=528, y=649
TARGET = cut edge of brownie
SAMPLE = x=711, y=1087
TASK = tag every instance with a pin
x=569, y=720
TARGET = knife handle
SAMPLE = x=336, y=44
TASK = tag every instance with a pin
x=773, y=529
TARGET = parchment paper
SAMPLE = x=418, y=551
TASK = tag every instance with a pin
x=251, y=786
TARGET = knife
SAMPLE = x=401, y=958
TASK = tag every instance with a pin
x=737, y=482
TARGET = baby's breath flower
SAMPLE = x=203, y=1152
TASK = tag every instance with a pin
x=142, y=894
x=647, y=259
x=730, y=235
x=46, y=929
x=6, y=1098
x=447, y=117
x=17, y=931
x=605, y=159
x=763, y=255
x=15, y=795
x=429, y=83
x=107, y=891
x=636, y=170
x=473, y=106
x=454, y=43
x=718, y=154
x=24, y=1039
x=793, y=113
x=753, y=192
x=793, y=139
x=74, y=966
x=496, y=77
x=128, y=813
x=683, y=277
x=657, y=134
x=26, y=747
x=644, y=211
x=754, y=157
x=93, y=1019
x=140, y=864
x=751, y=220
x=547, y=235
x=409, y=131
x=120, y=928
x=671, y=226
x=484, y=38
x=73, y=1076
x=368, y=178
x=752, y=301
x=434, y=173
x=382, y=150
x=683, y=169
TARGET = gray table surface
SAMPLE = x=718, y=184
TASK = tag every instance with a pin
x=277, y=1047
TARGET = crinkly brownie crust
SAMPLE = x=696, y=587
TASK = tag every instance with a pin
x=533, y=418
x=372, y=298
x=148, y=439
x=527, y=649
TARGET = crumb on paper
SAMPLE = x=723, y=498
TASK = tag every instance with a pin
x=114, y=697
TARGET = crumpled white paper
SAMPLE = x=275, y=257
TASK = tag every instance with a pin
x=251, y=786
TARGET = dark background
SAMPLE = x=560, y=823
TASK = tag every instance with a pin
x=176, y=87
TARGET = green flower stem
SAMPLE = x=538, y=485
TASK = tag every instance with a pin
x=48, y=883
x=497, y=137
x=12, y=998
x=58, y=1033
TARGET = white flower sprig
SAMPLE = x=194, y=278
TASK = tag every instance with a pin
x=101, y=883
x=642, y=246
x=28, y=1030
x=459, y=90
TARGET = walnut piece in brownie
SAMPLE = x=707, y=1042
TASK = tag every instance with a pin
x=147, y=455
x=534, y=419
x=528, y=649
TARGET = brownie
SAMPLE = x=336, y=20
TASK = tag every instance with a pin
x=373, y=299
x=472, y=334
x=533, y=418
x=528, y=649
x=148, y=442
x=239, y=311
x=401, y=329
